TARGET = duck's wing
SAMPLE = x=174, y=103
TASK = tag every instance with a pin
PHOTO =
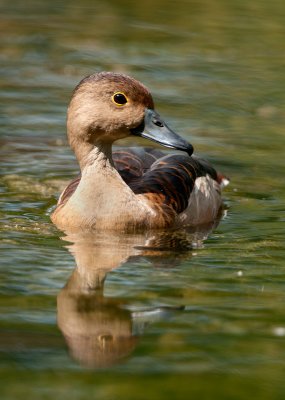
x=181, y=186
x=168, y=181
x=132, y=163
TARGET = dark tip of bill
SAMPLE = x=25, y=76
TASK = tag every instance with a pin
x=189, y=150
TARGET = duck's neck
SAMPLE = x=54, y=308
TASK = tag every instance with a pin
x=102, y=198
x=89, y=154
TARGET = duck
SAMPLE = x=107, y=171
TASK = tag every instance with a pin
x=131, y=189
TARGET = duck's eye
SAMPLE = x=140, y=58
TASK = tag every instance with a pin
x=119, y=98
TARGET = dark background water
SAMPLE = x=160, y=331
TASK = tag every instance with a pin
x=206, y=322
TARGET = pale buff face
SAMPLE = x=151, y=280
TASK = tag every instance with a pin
x=93, y=114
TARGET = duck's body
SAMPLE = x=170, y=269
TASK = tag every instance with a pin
x=130, y=189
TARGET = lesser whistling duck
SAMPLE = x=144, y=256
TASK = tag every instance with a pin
x=131, y=189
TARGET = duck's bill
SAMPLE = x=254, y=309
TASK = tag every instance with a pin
x=154, y=128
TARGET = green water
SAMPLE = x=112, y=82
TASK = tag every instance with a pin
x=168, y=322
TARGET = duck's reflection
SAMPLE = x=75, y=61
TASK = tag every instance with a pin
x=100, y=331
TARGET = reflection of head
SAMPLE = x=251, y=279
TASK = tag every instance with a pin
x=98, y=332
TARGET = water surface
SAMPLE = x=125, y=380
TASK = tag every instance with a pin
x=123, y=316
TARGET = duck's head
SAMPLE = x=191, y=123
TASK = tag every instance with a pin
x=109, y=106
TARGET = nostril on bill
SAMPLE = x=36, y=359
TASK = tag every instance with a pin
x=157, y=123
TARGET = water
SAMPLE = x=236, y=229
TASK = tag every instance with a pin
x=144, y=320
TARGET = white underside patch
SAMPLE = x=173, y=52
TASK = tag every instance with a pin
x=204, y=202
